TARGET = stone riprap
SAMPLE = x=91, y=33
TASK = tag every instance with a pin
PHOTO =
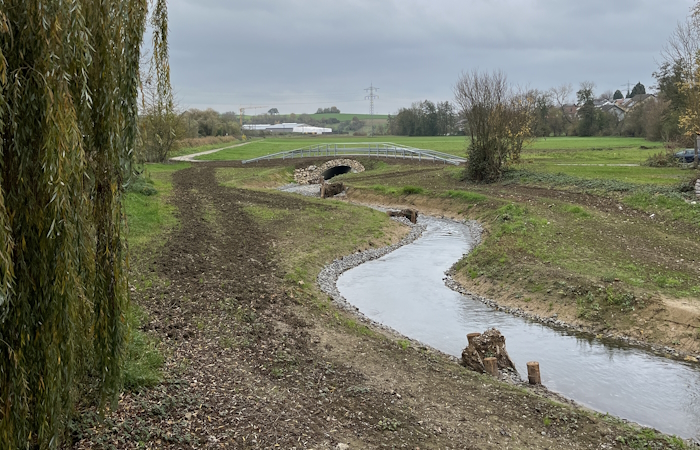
x=314, y=174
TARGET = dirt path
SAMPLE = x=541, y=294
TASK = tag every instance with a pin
x=249, y=366
x=191, y=158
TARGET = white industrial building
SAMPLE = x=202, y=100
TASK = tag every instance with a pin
x=288, y=128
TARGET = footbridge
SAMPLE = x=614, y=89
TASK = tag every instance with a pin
x=369, y=149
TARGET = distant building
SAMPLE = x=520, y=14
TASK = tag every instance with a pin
x=614, y=110
x=570, y=110
x=629, y=103
x=288, y=128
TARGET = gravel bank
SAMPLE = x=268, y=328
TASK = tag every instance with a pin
x=308, y=190
x=329, y=275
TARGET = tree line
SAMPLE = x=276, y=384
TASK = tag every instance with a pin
x=499, y=118
x=424, y=119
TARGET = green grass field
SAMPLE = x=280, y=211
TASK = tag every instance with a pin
x=343, y=117
x=560, y=149
x=589, y=158
x=634, y=174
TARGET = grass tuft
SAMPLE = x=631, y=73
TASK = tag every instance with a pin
x=466, y=196
x=143, y=360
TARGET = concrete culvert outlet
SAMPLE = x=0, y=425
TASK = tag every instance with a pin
x=337, y=170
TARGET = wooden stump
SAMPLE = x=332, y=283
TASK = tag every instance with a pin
x=533, y=372
x=471, y=336
x=491, y=366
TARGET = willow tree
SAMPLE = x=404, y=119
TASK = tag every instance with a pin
x=68, y=105
x=161, y=124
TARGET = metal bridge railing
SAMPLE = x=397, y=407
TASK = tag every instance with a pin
x=377, y=149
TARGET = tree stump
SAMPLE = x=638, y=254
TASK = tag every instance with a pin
x=533, y=372
x=471, y=336
x=490, y=344
x=491, y=366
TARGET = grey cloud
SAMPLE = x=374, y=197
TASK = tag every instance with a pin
x=301, y=54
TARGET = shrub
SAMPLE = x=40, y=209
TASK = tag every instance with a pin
x=661, y=159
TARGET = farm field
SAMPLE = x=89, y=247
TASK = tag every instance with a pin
x=340, y=116
x=347, y=116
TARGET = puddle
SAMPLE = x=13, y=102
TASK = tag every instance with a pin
x=405, y=291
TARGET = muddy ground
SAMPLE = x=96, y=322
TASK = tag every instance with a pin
x=248, y=366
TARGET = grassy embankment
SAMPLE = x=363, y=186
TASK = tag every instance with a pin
x=196, y=145
x=576, y=240
x=149, y=218
x=322, y=232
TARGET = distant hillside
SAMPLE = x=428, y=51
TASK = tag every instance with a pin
x=347, y=116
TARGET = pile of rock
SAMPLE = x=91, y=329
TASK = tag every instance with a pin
x=310, y=175
x=697, y=187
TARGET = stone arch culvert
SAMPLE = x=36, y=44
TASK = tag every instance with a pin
x=327, y=170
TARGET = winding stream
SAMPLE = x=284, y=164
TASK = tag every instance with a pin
x=405, y=291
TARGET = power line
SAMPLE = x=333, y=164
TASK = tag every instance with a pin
x=371, y=98
x=628, y=86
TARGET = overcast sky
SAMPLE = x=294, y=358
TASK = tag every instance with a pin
x=299, y=55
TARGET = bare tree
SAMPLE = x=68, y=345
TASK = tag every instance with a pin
x=561, y=96
x=498, y=121
x=607, y=95
x=683, y=45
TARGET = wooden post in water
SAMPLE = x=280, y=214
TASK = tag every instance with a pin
x=533, y=372
x=491, y=366
x=471, y=336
